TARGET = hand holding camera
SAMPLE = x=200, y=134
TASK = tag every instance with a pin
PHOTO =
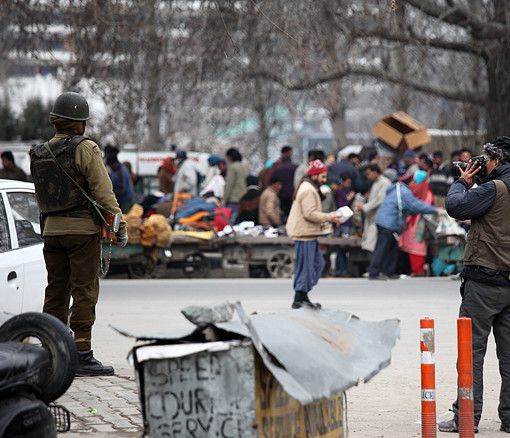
x=469, y=170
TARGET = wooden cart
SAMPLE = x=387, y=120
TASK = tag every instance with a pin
x=275, y=255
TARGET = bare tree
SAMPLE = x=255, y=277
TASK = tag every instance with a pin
x=463, y=34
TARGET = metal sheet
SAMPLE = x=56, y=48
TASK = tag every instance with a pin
x=320, y=353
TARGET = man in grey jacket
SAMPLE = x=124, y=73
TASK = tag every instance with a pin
x=375, y=198
x=186, y=176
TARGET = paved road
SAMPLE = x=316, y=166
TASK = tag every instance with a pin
x=388, y=406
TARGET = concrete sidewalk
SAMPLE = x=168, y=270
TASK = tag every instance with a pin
x=102, y=406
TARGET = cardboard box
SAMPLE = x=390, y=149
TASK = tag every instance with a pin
x=400, y=131
x=225, y=390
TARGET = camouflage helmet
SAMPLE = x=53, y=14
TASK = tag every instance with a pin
x=71, y=106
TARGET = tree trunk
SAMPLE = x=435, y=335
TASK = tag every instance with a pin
x=498, y=77
x=263, y=129
x=498, y=99
x=299, y=154
x=263, y=138
x=153, y=94
x=402, y=100
x=471, y=110
x=337, y=119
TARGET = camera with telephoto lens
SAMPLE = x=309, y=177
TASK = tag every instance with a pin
x=479, y=161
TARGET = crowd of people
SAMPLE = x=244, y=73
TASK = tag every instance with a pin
x=388, y=217
x=389, y=199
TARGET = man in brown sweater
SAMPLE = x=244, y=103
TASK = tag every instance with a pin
x=70, y=224
x=307, y=222
x=269, y=206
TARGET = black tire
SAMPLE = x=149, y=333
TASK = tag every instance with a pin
x=140, y=266
x=56, y=338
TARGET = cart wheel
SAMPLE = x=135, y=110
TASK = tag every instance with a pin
x=196, y=266
x=280, y=265
x=140, y=267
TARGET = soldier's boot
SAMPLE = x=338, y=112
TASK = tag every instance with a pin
x=89, y=366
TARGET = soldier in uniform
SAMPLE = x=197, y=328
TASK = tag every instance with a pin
x=70, y=224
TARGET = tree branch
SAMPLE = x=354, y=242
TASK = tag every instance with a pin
x=437, y=43
x=459, y=16
x=444, y=92
x=376, y=73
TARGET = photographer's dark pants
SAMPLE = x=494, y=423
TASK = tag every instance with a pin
x=72, y=263
x=488, y=306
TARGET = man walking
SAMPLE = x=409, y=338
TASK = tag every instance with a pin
x=485, y=287
x=68, y=171
x=305, y=224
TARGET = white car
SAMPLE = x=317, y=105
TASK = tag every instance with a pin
x=22, y=268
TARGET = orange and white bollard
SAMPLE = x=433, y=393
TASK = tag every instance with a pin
x=428, y=379
x=465, y=382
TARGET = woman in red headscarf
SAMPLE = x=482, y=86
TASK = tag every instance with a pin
x=166, y=175
x=411, y=240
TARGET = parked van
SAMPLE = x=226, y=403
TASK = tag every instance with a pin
x=146, y=164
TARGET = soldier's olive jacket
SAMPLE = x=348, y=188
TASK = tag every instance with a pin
x=89, y=164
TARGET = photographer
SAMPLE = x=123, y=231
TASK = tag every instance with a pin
x=485, y=288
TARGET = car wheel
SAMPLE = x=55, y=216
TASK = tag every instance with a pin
x=48, y=332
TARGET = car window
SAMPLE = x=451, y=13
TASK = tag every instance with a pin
x=25, y=212
x=5, y=238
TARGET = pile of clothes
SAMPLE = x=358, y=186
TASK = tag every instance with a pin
x=199, y=214
x=153, y=230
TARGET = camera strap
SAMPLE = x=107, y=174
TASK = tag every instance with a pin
x=399, y=203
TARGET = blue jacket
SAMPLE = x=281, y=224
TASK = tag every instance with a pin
x=122, y=185
x=388, y=214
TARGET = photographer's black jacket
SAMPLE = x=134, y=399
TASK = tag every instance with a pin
x=464, y=204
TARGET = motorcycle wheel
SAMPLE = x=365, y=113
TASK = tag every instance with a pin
x=48, y=332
